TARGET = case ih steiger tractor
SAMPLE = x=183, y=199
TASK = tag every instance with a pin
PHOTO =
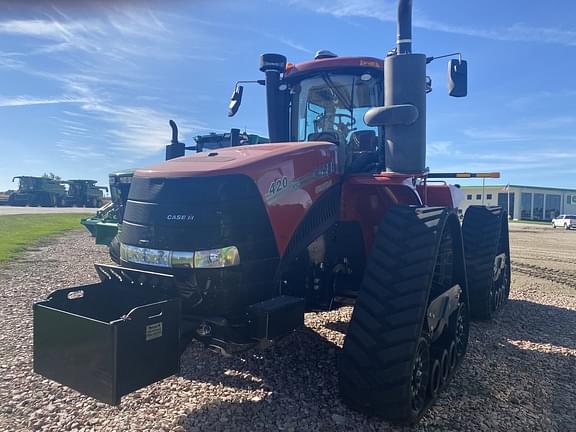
x=233, y=246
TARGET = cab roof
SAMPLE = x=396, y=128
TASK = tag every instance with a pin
x=334, y=63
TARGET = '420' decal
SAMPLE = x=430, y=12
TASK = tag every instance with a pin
x=281, y=184
x=277, y=185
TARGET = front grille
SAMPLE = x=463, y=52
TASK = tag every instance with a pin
x=198, y=213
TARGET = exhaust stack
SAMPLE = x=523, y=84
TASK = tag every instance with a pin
x=404, y=36
x=175, y=149
x=273, y=66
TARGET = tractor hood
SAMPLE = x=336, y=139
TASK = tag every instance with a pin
x=248, y=160
x=223, y=190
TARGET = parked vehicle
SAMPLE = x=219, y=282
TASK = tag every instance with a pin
x=84, y=193
x=38, y=191
x=103, y=226
x=565, y=221
x=232, y=246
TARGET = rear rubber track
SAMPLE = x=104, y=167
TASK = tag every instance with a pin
x=485, y=233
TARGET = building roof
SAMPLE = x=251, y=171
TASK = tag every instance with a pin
x=517, y=186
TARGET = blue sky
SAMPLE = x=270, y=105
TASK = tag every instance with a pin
x=85, y=91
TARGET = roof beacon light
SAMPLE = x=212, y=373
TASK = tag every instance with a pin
x=324, y=54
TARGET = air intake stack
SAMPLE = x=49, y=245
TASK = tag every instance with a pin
x=405, y=84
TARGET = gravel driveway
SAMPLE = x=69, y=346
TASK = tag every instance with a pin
x=520, y=372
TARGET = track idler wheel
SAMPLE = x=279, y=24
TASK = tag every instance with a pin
x=452, y=356
x=419, y=376
x=435, y=378
x=460, y=330
x=392, y=365
x=444, y=367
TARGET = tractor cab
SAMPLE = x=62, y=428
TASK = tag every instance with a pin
x=28, y=184
x=328, y=100
x=325, y=99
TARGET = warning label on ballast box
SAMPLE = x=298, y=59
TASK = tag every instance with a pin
x=153, y=331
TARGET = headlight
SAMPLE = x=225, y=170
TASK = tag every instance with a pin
x=213, y=258
x=224, y=257
x=182, y=259
x=155, y=257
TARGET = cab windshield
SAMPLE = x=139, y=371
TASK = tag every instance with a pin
x=331, y=107
x=27, y=183
x=75, y=188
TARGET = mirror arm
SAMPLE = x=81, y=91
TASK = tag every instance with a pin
x=261, y=82
x=237, y=95
x=431, y=59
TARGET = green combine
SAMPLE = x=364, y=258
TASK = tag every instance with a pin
x=84, y=193
x=38, y=191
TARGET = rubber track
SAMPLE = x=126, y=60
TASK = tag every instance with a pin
x=481, y=232
x=376, y=361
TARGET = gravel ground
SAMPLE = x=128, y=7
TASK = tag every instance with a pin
x=520, y=372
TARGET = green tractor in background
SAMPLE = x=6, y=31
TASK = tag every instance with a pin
x=104, y=225
x=38, y=191
x=84, y=193
x=214, y=141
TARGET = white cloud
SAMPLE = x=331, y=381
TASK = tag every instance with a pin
x=294, y=45
x=141, y=130
x=386, y=11
x=495, y=135
x=30, y=100
x=538, y=129
x=48, y=29
x=439, y=147
x=72, y=151
x=97, y=63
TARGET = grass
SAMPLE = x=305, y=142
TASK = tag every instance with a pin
x=17, y=232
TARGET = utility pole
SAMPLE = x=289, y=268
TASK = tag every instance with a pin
x=483, y=183
x=508, y=194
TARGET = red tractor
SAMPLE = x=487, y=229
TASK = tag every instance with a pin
x=232, y=247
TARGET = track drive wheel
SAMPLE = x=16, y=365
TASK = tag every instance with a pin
x=410, y=314
x=487, y=251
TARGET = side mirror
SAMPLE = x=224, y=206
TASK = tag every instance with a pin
x=394, y=115
x=235, y=101
x=457, y=78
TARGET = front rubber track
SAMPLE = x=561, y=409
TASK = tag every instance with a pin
x=377, y=360
x=485, y=233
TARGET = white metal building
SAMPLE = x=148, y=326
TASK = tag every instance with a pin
x=523, y=202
